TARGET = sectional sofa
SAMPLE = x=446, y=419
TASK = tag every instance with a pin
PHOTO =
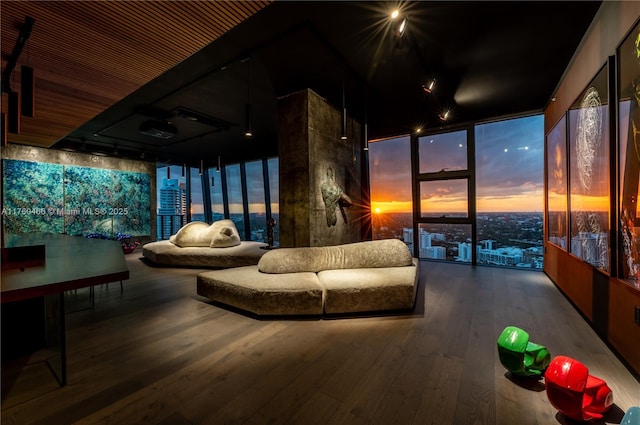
x=368, y=276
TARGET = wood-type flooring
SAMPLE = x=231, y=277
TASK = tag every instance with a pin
x=157, y=353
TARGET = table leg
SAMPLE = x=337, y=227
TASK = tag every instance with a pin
x=55, y=339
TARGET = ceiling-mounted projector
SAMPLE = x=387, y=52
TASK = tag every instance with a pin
x=158, y=129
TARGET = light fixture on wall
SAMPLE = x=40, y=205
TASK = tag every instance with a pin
x=248, y=130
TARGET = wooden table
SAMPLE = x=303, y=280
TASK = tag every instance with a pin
x=71, y=262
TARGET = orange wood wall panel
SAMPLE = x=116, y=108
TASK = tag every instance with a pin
x=573, y=276
x=624, y=333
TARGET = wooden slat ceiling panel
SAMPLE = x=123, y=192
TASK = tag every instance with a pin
x=88, y=55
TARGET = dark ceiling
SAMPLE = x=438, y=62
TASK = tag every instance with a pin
x=489, y=59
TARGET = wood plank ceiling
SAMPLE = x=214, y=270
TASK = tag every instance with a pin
x=88, y=55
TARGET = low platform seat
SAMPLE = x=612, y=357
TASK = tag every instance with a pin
x=359, y=277
x=198, y=244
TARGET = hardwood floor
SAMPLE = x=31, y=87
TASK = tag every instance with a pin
x=157, y=353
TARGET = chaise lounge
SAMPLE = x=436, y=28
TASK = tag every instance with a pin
x=368, y=276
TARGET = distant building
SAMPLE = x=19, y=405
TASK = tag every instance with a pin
x=508, y=256
x=464, y=252
x=433, y=252
x=172, y=210
x=407, y=235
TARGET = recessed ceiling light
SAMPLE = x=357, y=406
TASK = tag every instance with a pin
x=395, y=14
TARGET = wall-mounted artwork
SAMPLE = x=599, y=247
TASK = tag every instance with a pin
x=557, y=184
x=87, y=199
x=33, y=197
x=54, y=198
x=131, y=198
x=629, y=131
x=589, y=173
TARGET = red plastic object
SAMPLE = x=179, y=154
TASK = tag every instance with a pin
x=574, y=392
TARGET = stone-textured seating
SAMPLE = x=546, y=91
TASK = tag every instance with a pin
x=358, y=277
x=198, y=244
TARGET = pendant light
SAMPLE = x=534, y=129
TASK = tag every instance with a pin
x=248, y=130
x=343, y=121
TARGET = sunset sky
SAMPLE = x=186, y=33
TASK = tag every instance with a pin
x=509, y=169
x=509, y=172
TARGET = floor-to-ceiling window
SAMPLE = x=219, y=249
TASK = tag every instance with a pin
x=256, y=201
x=235, y=199
x=196, y=201
x=215, y=190
x=510, y=192
x=247, y=193
x=477, y=192
x=390, y=181
x=273, y=203
x=172, y=199
x=445, y=229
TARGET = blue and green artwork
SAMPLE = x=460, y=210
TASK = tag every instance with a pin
x=33, y=197
x=43, y=197
x=131, y=202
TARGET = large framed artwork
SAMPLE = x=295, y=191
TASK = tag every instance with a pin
x=75, y=200
x=589, y=181
x=629, y=133
x=557, y=184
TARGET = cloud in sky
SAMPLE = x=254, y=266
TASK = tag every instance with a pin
x=509, y=166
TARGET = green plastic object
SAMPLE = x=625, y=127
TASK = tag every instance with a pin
x=520, y=356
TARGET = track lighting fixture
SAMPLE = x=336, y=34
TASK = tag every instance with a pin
x=444, y=116
x=398, y=28
x=428, y=87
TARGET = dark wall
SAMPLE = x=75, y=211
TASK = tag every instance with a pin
x=320, y=174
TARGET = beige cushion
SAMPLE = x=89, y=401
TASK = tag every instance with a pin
x=220, y=234
x=369, y=289
x=192, y=234
x=263, y=294
x=370, y=254
x=224, y=234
